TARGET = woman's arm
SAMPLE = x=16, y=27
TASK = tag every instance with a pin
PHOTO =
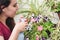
x=1, y=38
x=14, y=34
x=17, y=29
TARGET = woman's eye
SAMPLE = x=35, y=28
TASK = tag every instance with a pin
x=14, y=5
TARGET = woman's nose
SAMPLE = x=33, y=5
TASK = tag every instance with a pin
x=17, y=7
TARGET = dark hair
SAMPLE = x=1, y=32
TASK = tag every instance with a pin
x=10, y=21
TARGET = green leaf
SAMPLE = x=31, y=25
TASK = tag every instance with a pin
x=51, y=29
x=44, y=34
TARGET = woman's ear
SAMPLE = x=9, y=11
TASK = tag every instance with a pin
x=4, y=9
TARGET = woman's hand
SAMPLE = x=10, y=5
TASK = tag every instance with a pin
x=20, y=26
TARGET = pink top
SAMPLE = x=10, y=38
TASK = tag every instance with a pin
x=4, y=31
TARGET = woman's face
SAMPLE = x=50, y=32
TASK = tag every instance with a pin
x=10, y=11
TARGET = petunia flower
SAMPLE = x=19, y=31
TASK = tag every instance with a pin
x=40, y=28
x=32, y=20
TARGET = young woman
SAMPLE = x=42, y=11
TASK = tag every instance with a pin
x=8, y=29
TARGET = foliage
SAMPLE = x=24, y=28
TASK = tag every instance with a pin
x=55, y=35
x=41, y=27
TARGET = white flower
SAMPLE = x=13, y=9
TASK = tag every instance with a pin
x=54, y=19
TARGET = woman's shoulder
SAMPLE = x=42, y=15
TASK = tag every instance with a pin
x=4, y=31
x=3, y=27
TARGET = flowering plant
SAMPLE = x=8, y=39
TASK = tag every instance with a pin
x=39, y=18
x=39, y=27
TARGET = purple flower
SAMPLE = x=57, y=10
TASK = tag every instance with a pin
x=37, y=19
x=43, y=38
